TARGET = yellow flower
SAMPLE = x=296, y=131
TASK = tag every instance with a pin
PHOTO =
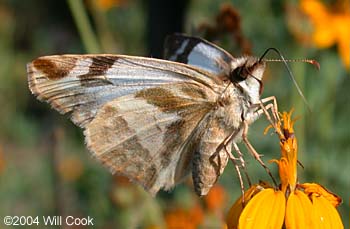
x=291, y=205
x=311, y=188
x=237, y=208
x=331, y=25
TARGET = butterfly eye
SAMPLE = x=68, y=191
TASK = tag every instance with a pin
x=238, y=74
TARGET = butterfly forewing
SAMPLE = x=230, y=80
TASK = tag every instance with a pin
x=81, y=84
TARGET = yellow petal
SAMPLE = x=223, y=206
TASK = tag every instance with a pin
x=298, y=212
x=325, y=214
x=283, y=172
x=237, y=207
x=314, y=9
x=265, y=210
x=344, y=52
x=288, y=123
x=342, y=24
x=289, y=151
x=324, y=35
x=310, y=188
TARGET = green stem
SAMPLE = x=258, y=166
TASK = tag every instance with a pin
x=81, y=20
x=102, y=29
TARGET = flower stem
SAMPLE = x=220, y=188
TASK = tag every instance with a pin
x=81, y=20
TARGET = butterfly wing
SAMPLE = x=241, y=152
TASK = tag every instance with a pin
x=141, y=116
x=149, y=136
x=81, y=84
x=197, y=52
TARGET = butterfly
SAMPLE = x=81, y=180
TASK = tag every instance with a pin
x=156, y=121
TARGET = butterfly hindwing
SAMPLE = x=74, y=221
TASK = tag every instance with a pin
x=149, y=136
x=198, y=52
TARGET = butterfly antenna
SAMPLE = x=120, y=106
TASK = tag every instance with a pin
x=284, y=61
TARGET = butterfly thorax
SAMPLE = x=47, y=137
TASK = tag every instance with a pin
x=246, y=74
x=231, y=107
x=242, y=92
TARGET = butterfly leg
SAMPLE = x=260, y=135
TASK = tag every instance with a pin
x=234, y=161
x=263, y=108
x=273, y=105
x=253, y=151
x=240, y=156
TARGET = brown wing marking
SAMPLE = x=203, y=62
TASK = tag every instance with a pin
x=149, y=137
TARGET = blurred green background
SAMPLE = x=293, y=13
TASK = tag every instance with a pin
x=44, y=166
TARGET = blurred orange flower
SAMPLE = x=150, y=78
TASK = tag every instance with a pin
x=70, y=168
x=181, y=218
x=293, y=205
x=216, y=198
x=108, y=4
x=2, y=161
x=331, y=25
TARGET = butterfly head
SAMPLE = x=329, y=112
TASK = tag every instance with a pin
x=247, y=73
